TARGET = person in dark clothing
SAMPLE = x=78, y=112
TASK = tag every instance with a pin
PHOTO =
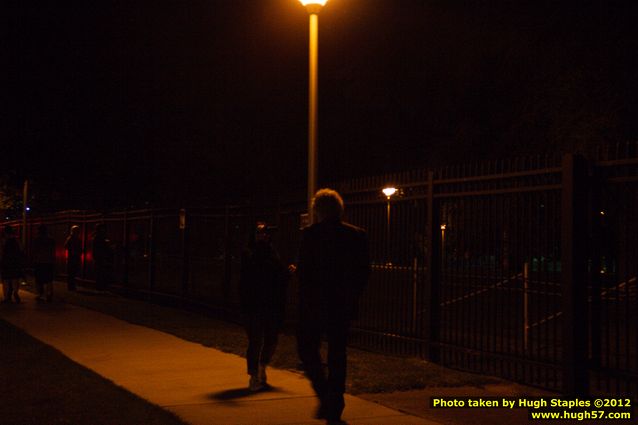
x=333, y=270
x=11, y=266
x=73, y=248
x=102, y=258
x=263, y=284
x=44, y=264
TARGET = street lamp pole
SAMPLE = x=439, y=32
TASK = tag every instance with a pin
x=313, y=7
x=389, y=192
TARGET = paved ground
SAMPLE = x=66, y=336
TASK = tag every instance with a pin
x=201, y=385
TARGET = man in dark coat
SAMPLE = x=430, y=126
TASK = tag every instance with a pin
x=333, y=270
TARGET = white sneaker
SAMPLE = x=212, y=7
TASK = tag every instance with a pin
x=255, y=383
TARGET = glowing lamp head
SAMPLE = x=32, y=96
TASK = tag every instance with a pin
x=313, y=6
x=389, y=191
x=313, y=2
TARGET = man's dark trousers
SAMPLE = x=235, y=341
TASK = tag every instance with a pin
x=329, y=388
x=263, y=332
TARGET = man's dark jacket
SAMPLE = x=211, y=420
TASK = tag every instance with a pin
x=333, y=270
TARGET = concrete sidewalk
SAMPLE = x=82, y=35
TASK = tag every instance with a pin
x=199, y=384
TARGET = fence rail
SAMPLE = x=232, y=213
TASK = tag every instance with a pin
x=524, y=269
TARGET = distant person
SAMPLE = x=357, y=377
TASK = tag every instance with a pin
x=102, y=258
x=11, y=266
x=333, y=270
x=44, y=264
x=263, y=284
x=73, y=248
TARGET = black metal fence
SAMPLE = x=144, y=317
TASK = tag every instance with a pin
x=524, y=268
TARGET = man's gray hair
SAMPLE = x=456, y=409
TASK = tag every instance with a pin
x=327, y=204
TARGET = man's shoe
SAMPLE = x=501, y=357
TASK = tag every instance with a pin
x=262, y=375
x=336, y=422
x=255, y=384
x=321, y=412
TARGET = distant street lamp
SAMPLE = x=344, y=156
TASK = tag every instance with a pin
x=388, y=192
x=313, y=7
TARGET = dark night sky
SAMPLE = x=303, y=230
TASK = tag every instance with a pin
x=112, y=103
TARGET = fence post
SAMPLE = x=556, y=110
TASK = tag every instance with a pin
x=25, y=201
x=183, y=228
x=574, y=275
x=84, y=245
x=227, y=255
x=126, y=250
x=433, y=263
x=597, y=240
x=525, y=306
x=151, y=252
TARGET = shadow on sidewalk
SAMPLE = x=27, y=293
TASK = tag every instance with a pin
x=235, y=393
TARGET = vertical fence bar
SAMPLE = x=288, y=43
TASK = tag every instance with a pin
x=126, y=250
x=596, y=222
x=433, y=318
x=574, y=273
x=151, y=252
x=415, y=285
x=184, y=225
x=84, y=247
x=227, y=255
x=525, y=307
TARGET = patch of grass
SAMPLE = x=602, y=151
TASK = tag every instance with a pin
x=39, y=385
x=367, y=372
x=377, y=373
